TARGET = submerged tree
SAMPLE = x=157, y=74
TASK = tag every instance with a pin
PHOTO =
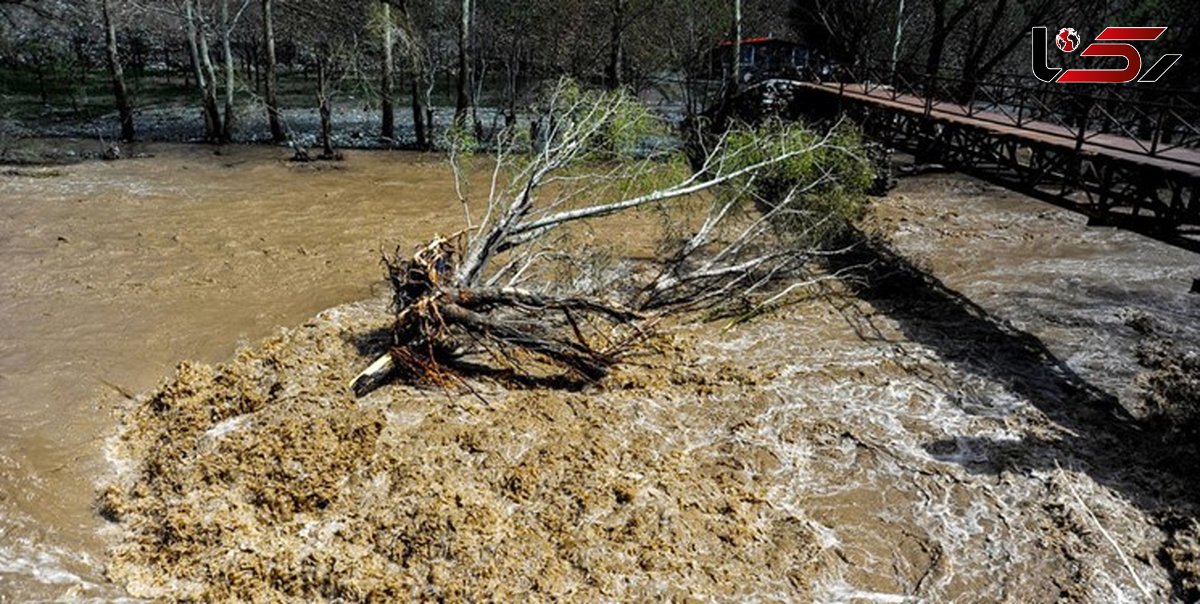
x=506, y=289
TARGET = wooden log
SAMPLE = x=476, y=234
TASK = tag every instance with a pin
x=485, y=298
x=374, y=375
x=570, y=354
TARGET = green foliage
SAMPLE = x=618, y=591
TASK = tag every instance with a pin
x=460, y=139
x=603, y=145
x=377, y=21
x=831, y=180
x=610, y=124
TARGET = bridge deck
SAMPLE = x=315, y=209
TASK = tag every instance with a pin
x=1180, y=160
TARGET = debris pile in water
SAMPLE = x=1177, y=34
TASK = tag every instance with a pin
x=1170, y=380
x=1181, y=555
x=265, y=478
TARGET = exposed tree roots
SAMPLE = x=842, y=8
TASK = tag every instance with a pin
x=439, y=323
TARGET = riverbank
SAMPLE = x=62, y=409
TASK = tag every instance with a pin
x=354, y=126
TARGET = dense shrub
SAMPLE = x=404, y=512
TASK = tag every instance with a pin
x=831, y=181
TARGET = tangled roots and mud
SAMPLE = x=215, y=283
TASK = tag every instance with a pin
x=266, y=479
x=442, y=322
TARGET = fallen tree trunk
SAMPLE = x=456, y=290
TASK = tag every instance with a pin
x=439, y=322
x=461, y=297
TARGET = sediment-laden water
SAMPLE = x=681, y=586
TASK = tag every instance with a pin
x=973, y=436
x=113, y=272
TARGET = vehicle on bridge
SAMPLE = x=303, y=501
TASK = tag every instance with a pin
x=768, y=58
x=770, y=70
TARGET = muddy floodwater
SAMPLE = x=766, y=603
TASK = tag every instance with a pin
x=970, y=435
x=114, y=272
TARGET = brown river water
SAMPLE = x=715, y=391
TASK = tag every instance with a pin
x=114, y=272
x=947, y=442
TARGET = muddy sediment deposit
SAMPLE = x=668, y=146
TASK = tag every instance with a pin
x=264, y=478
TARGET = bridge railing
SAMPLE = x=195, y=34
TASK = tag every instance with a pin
x=1144, y=119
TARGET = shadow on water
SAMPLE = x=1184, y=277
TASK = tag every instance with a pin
x=1095, y=434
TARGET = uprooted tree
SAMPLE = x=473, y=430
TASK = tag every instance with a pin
x=511, y=293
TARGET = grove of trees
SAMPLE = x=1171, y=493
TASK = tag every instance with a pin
x=230, y=58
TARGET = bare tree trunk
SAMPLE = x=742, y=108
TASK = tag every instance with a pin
x=513, y=71
x=420, y=109
x=476, y=94
x=943, y=25
x=936, y=45
x=227, y=55
x=120, y=93
x=210, y=87
x=269, y=76
x=420, y=82
x=81, y=61
x=985, y=56
x=616, y=49
x=387, y=87
x=463, y=106
x=735, y=69
x=255, y=67
x=203, y=72
x=324, y=108
x=897, y=39
x=166, y=60
x=39, y=68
